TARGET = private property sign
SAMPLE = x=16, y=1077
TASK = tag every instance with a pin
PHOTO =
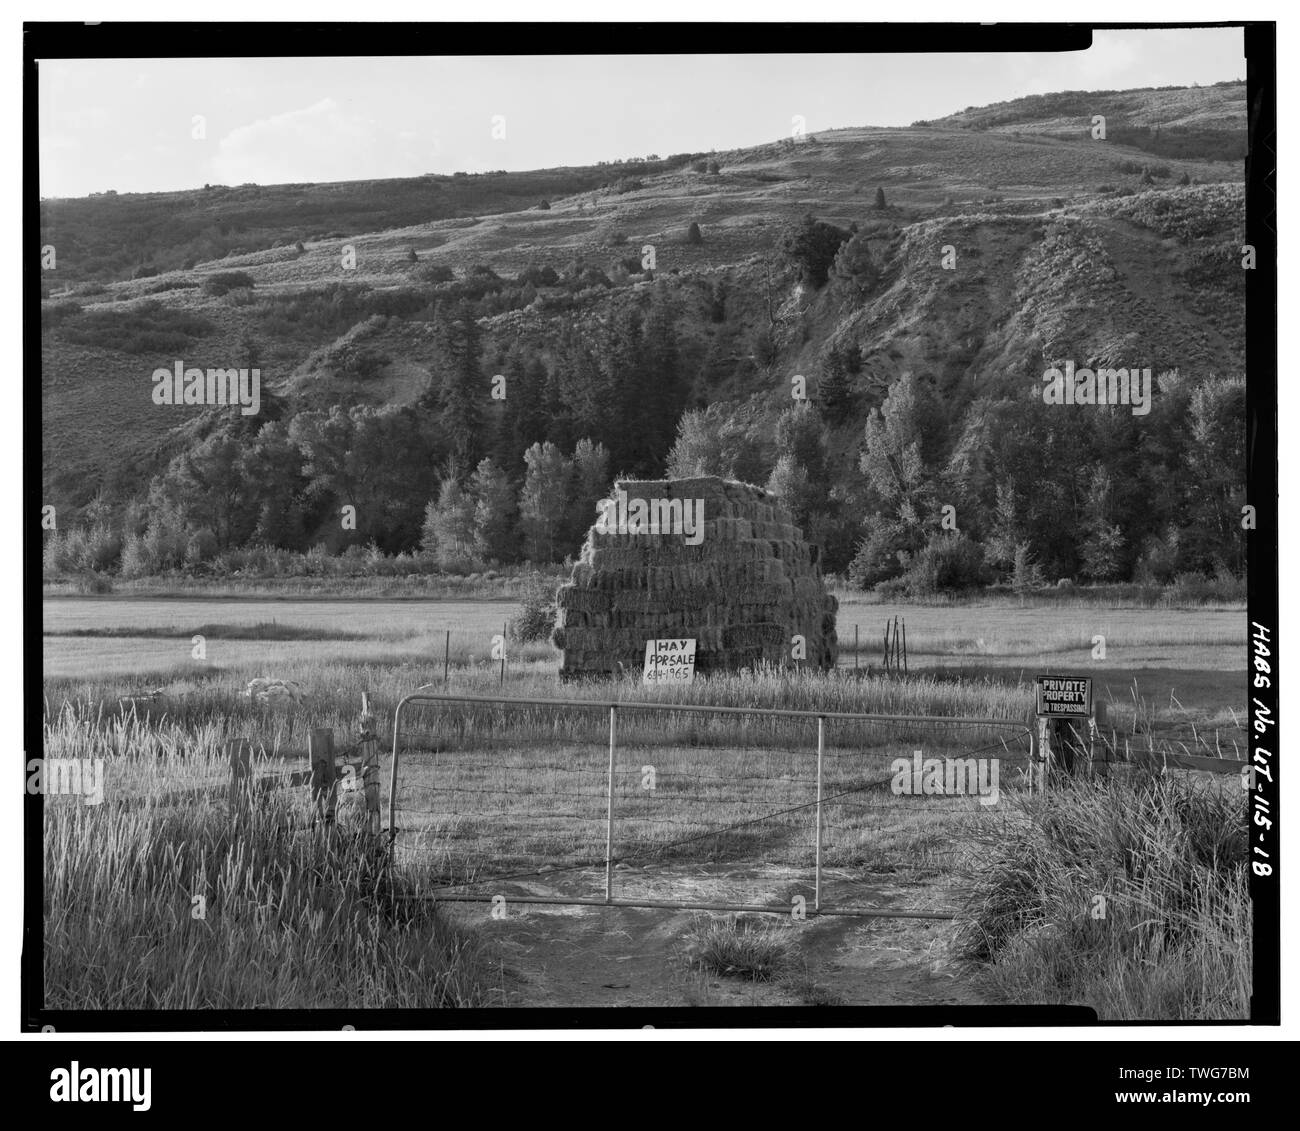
x=1064, y=696
x=669, y=661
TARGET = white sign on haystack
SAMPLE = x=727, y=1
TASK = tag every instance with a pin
x=669, y=661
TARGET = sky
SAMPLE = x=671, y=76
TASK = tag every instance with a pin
x=149, y=125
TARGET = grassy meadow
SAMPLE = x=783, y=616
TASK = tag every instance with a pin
x=512, y=795
x=1130, y=896
x=179, y=900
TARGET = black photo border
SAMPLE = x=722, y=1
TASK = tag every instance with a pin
x=185, y=40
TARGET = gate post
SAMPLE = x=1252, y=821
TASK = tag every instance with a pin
x=817, y=866
x=609, y=814
x=369, y=750
x=324, y=784
x=241, y=771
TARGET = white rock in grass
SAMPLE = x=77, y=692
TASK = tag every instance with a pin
x=265, y=690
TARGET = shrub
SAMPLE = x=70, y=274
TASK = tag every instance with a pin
x=811, y=245
x=539, y=276
x=225, y=281
x=201, y=547
x=543, y=206
x=359, y=363
x=948, y=563
x=693, y=233
x=1161, y=559
x=594, y=277
x=55, y=560
x=95, y=549
x=854, y=264
x=1197, y=588
x=92, y=583
x=740, y=948
x=136, y=560
x=536, y=619
x=437, y=273
x=57, y=313
x=1026, y=573
x=144, y=271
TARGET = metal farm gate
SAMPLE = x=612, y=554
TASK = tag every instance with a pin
x=689, y=806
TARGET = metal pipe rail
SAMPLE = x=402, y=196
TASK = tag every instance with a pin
x=613, y=706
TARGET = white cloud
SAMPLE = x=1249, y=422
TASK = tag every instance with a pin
x=321, y=142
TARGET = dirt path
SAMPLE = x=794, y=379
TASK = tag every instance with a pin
x=615, y=956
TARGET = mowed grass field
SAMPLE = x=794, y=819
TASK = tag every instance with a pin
x=486, y=795
x=1177, y=668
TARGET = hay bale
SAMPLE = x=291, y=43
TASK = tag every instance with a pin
x=742, y=590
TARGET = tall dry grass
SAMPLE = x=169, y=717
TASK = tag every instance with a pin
x=1129, y=895
x=160, y=900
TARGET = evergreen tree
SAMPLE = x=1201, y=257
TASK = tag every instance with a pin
x=835, y=390
x=1102, y=551
x=590, y=406
x=495, y=510
x=664, y=380
x=274, y=464
x=811, y=245
x=464, y=392
x=629, y=431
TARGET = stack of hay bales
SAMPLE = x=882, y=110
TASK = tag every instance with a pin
x=746, y=587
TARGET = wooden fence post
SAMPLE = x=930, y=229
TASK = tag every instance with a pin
x=368, y=747
x=1042, y=760
x=240, y=753
x=1062, y=750
x=324, y=776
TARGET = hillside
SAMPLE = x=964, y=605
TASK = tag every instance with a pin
x=1064, y=248
x=1206, y=122
x=110, y=235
